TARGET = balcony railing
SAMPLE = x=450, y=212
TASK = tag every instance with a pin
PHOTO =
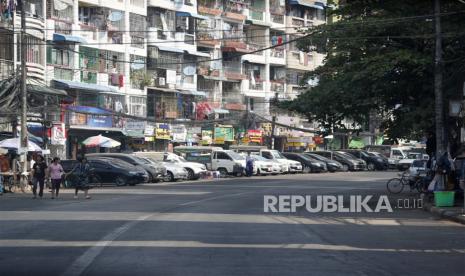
x=233, y=70
x=277, y=86
x=277, y=18
x=63, y=27
x=137, y=42
x=6, y=68
x=298, y=22
x=277, y=52
x=253, y=47
x=256, y=14
x=189, y=39
x=63, y=74
x=258, y=85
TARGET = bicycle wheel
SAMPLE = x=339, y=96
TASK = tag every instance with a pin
x=395, y=185
x=421, y=186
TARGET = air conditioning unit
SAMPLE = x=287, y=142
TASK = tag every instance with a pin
x=161, y=81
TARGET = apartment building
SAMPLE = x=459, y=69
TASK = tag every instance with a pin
x=10, y=23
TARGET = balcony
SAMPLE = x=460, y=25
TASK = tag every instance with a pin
x=116, y=79
x=234, y=10
x=210, y=7
x=63, y=27
x=277, y=18
x=258, y=85
x=278, y=86
x=233, y=70
x=6, y=68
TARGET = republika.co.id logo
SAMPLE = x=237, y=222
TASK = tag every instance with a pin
x=325, y=204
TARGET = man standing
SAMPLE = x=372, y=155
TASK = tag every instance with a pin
x=39, y=171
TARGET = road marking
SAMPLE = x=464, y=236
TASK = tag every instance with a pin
x=97, y=248
x=86, y=259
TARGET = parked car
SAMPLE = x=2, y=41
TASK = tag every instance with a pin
x=394, y=154
x=156, y=172
x=309, y=164
x=331, y=165
x=348, y=162
x=173, y=171
x=286, y=164
x=404, y=164
x=194, y=170
x=263, y=166
x=417, y=168
x=110, y=171
x=227, y=162
x=373, y=162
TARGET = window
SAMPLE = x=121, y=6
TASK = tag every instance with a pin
x=34, y=50
x=222, y=156
x=267, y=155
x=163, y=20
x=60, y=56
x=137, y=106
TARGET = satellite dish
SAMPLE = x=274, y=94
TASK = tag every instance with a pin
x=189, y=70
x=115, y=16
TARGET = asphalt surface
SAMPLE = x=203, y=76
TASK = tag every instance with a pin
x=220, y=228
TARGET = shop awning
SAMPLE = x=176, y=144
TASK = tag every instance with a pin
x=169, y=90
x=197, y=53
x=191, y=14
x=257, y=22
x=68, y=38
x=64, y=84
x=220, y=111
x=308, y=3
x=33, y=88
x=193, y=92
x=170, y=49
x=214, y=78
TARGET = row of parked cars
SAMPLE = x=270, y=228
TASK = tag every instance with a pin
x=130, y=169
x=192, y=162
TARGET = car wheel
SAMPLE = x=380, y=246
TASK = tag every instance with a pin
x=170, y=176
x=223, y=172
x=307, y=169
x=371, y=166
x=190, y=174
x=120, y=181
x=345, y=168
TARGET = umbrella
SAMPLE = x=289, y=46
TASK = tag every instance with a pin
x=100, y=141
x=13, y=143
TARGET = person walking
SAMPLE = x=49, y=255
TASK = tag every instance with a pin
x=55, y=170
x=82, y=171
x=249, y=162
x=39, y=172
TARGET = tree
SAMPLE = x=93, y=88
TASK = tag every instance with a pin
x=380, y=59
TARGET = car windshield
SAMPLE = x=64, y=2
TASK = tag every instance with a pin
x=116, y=162
x=345, y=155
x=141, y=160
x=259, y=158
x=235, y=155
x=276, y=154
x=318, y=157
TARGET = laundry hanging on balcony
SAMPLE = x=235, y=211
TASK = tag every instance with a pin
x=276, y=40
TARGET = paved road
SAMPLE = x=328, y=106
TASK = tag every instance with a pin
x=219, y=228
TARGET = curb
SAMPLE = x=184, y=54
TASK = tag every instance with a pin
x=453, y=216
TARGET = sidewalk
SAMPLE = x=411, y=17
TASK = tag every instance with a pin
x=456, y=213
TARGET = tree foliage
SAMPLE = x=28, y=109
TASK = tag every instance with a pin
x=380, y=60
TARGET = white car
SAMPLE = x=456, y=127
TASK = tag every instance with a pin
x=194, y=170
x=173, y=171
x=417, y=168
x=263, y=166
x=287, y=166
x=404, y=164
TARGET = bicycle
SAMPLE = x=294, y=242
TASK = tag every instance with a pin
x=396, y=185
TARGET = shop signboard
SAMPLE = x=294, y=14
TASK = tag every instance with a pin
x=58, y=134
x=207, y=137
x=162, y=132
x=98, y=117
x=179, y=133
x=255, y=136
x=223, y=134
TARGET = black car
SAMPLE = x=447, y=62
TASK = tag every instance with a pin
x=331, y=165
x=309, y=164
x=111, y=171
x=373, y=162
x=156, y=173
x=348, y=162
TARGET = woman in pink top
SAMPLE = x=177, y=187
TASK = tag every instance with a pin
x=55, y=172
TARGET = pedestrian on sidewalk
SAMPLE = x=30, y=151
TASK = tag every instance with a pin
x=39, y=172
x=249, y=163
x=55, y=171
x=82, y=171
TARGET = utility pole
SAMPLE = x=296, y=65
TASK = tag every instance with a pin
x=438, y=96
x=24, y=134
x=273, y=123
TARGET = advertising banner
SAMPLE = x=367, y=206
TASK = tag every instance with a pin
x=58, y=134
x=162, y=132
x=223, y=134
x=179, y=133
x=207, y=137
